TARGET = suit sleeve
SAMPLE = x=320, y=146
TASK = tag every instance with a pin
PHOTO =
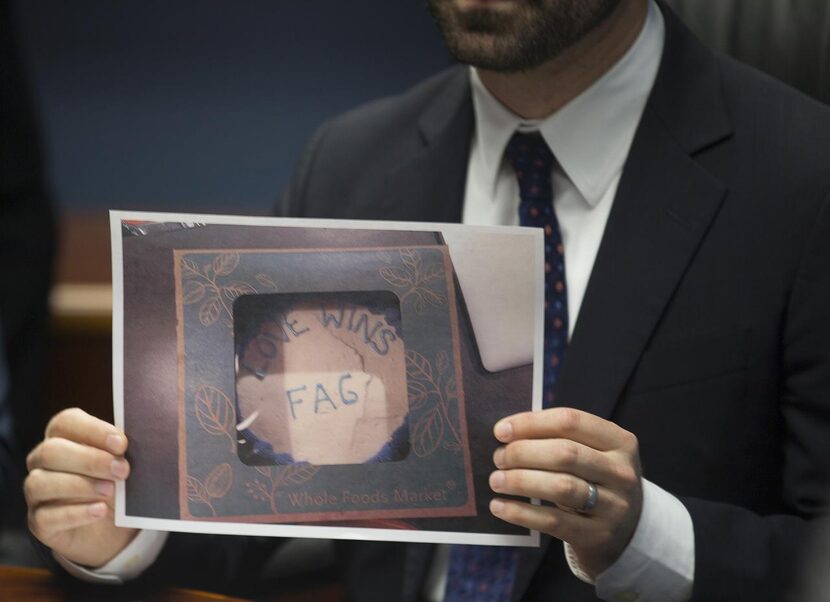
x=740, y=555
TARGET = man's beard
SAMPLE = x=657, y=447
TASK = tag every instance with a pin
x=517, y=40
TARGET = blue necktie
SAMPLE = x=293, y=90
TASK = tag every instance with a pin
x=532, y=161
x=487, y=573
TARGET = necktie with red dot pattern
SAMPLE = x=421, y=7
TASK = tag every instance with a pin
x=532, y=160
x=487, y=573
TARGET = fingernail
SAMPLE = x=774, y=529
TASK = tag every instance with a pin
x=105, y=488
x=498, y=457
x=503, y=430
x=497, y=479
x=119, y=469
x=114, y=443
x=496, y=506
x=97, y=510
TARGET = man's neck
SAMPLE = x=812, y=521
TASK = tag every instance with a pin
x=542, y=91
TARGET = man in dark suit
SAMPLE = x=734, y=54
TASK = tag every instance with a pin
x=702, y=346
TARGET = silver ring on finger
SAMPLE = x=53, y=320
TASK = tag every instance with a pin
x=591, y=501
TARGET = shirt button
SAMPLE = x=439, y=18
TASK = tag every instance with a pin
x=627, y=597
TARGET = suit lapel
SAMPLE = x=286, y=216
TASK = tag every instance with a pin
x=664, y=206
x=429, y=185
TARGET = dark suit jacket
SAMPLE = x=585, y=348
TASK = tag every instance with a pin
x=27, y=241
x=705, y=328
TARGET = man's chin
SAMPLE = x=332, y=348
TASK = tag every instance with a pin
x=491, y=5
x=515, y=35
x=487, y=52
x=485, y=22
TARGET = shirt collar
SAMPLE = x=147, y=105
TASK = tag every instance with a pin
x=591, y=135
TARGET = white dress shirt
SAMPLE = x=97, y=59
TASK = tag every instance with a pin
x=590, y=138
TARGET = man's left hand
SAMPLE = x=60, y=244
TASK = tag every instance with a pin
x=554, y=455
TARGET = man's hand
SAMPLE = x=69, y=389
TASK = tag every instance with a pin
x=70, y=486
x=553, y=455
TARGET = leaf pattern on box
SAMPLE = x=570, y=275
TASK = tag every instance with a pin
x=193, y=292
x=428, y=432
x=219, y=481
x=418, y=366
x=225, y=263
x=216, y=486
x=396, y=277
x=189, y=268
x=210, y=310
x=433, y=401
x=414, y=280
x=418, y=393
x=215, y=413
x=268, y=490
x=237, y=289
x=443, y=361
x=266, y=281
x=298, y=473
x=264, y=471
x=206, y=285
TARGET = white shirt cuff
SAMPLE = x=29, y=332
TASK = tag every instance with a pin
x=659, y=562
x=128, y=564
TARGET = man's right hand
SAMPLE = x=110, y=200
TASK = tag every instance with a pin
x=70, y=486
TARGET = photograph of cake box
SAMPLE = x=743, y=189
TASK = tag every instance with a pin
x=319, y=380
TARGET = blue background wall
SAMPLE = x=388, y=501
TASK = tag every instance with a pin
x=204, y=105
